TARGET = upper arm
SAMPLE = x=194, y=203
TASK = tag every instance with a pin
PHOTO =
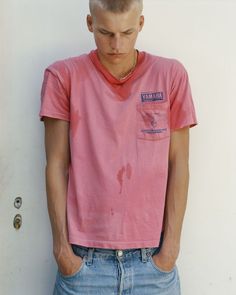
x=57, y=142
x=179, y=145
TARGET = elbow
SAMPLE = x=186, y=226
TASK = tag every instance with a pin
x=55, y=168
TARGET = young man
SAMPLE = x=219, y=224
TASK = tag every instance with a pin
x=117, y=142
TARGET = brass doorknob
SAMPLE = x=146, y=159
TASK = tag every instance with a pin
x=17, y=221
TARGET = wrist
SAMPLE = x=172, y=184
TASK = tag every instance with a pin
x=61, y=249
x=171, y=239
x=170, y=248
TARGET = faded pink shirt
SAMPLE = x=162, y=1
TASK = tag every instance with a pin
x=119, y=143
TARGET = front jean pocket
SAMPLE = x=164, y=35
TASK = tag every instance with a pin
x=158, y=269
x=74, y=275
x=152, y=121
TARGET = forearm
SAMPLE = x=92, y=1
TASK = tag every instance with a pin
x=176, y=201
x=56, y=185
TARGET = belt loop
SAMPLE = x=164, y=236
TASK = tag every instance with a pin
x=144, y=254
x=90, y=256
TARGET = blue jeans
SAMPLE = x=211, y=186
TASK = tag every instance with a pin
x=118, y=272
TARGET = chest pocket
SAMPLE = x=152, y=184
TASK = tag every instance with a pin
x=152, y=121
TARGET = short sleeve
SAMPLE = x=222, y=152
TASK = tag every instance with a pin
x=182, y=111
x=55, y=94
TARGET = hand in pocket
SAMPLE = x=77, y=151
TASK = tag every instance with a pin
x=68, y=263
x=164, y=263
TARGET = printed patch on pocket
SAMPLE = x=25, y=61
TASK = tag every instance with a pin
x=152, y=122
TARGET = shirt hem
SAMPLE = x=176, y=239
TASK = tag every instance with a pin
x=114, y=244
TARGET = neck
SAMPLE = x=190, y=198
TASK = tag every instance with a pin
x=122, y=69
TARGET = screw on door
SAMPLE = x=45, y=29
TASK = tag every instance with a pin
x=17, y=221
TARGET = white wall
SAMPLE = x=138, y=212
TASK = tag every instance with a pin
x=201, y=34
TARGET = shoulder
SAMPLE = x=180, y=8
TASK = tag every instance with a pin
x=167, y=64
x=67, y=65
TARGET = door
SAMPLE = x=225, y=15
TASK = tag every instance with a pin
x=32, y=36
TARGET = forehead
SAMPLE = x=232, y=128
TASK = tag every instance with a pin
x=116, y=21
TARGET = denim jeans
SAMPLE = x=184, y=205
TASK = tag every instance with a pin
x=118, y=272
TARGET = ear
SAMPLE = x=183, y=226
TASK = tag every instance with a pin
x=90, y=23
x=141, y=23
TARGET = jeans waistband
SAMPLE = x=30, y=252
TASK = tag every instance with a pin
x=89, y=252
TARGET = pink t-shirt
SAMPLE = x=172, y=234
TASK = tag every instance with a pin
x=119, y=143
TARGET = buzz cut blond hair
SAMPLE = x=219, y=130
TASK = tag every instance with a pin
x=116, y=6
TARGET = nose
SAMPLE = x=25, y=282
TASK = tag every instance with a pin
x=116, y=43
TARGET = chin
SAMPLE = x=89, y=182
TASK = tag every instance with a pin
x=116, y=56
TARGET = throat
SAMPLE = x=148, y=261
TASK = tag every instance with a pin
x=124, y=69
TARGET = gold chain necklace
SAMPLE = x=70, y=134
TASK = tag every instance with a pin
x=132, y=69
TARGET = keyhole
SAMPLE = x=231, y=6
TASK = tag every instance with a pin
x=18, y=202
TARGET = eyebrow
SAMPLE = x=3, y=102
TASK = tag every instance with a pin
x=126, y=31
